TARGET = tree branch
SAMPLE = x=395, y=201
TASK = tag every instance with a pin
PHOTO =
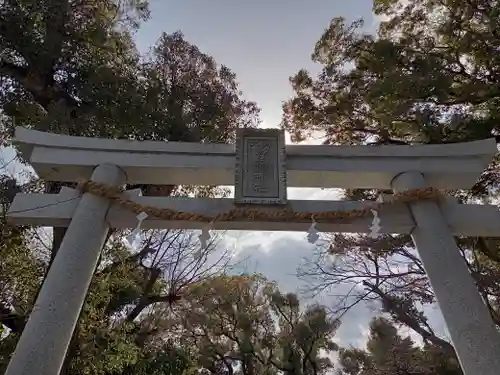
x=11, y=319
x=12, y=70
x=405, y=318
x=147, y=300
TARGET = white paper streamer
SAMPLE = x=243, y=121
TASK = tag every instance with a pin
x=132, y=237
x=375, y=227
x=312, y=233
x=204, y=237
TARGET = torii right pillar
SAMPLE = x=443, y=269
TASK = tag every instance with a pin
x=472, y=330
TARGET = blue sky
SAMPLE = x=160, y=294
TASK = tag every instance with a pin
x=263, y=42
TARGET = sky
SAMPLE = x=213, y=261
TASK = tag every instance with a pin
x=265, y=43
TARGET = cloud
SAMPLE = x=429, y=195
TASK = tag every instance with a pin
x=278, y=257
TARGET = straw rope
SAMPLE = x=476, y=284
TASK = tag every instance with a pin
x=285, y=214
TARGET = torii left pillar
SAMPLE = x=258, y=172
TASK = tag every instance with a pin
x=45, y=339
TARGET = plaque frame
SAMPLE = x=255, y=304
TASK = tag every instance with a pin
x=275, y=135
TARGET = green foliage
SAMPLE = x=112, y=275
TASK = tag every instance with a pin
x=69, y=67
x=199, y=100
x=432, y=75
x=169, y=360
x=246, y=320
x=72, y=67
x=387, y=352
x=20, y=275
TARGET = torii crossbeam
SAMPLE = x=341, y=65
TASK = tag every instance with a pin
x=261, y=167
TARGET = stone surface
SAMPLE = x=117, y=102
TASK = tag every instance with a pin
x=473, y=332
x=43, y=344
x=260, y=174
x=64, y=158
x=475, y=220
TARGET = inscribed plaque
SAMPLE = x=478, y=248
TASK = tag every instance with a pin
x=260, y=176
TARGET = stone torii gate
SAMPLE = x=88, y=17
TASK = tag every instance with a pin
x=261, y=167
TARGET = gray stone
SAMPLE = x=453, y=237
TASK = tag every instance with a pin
x=57, y=157
x=44, y=342
x=472, y=330
x=260, y=173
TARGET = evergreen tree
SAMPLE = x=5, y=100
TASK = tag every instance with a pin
x=245, y=325
x=387, y=352
x=431, y=74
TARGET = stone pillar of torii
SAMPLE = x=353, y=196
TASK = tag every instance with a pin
x=260, y=167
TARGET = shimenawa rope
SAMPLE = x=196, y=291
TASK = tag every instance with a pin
x=285, y=214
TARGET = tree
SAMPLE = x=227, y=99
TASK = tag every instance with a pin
x=430, y=75
x=71, y=67
x=121, y=329
x=386, y=271
x=245, y=325
x=430, y=58
x=198, y=100
x=388, y=353
x=20, y=274
x=65, y=65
